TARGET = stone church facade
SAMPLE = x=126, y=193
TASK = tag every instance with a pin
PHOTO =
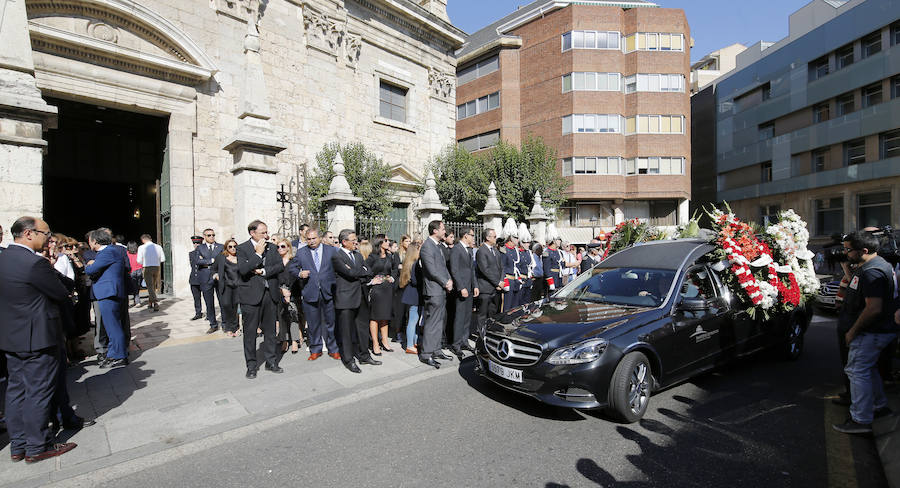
x=246, y=91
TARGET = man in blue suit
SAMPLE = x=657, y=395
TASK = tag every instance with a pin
x=108, y=273
x=312, y=265
x=207, y=252
x=31, y=334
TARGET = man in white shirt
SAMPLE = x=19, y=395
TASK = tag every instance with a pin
x=150, y=255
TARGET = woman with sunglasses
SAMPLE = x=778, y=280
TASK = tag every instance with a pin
x=381, y=296
x=288, y=330
x=227, y=279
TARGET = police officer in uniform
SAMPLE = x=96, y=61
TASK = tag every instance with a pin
x=512, y=283
x=553, y=265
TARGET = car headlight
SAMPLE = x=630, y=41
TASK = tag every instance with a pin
x=583, y=352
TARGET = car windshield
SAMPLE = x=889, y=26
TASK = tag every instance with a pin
x=642, y=287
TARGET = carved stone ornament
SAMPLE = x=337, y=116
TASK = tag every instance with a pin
x=322, y=32
x=441, y=83
x=239, y=9
x=352, y=49
x=103, y=31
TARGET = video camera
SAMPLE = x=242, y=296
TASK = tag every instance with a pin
x=888, y=247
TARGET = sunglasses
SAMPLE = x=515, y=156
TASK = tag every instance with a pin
x=282, y=246
x=232, y=246
x=210, y=235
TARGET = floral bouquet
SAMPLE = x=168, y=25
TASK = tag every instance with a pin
x=629, y=233
x=790, y=237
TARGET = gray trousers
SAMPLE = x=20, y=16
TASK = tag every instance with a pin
x=433, y=325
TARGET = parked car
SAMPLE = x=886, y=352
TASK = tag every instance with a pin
x=826, y=297
x=646, y=318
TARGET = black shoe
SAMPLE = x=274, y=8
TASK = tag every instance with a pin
x=212, y=328
x=441, y=355
x=851, y=426
x=431, y=362
x=375, y=353
x=882, y=412
x=101, y=358
x=251, y=374
x=78, y=423
x=156, y=307
x=353, y=368
x=197, y=317
x=114, y=363
x=843, y=400
x=369, y=360
x=459, y=354
x=274, y=369
x=467, y=347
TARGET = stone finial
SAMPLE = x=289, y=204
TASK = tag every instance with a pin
x=339, y=189
x=430, y=199
x=537, y=211
x=492, y=207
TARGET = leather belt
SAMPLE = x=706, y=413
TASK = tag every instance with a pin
x=203, y=266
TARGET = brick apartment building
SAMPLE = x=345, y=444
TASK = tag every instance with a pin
x=603, y=82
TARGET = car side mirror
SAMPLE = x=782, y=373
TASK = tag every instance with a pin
x=693, y=304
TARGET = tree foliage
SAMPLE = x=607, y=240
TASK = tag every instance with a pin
x=463, y=179
x=366, y=173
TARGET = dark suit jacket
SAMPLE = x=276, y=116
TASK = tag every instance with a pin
x=108, y=272
x=205, y=261
x=462, y=269
x=349, y=279
x=252, y=287
x=194, y=259
x=319, y=283
x=30, y=299
x=488, y=270
x=434, y=268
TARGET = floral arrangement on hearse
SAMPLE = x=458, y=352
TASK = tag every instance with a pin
x=629, y=233
x=769, y=271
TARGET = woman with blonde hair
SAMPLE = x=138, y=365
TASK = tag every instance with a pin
x=288, y=330
x=411, y=284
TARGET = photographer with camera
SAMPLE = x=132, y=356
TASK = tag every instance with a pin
x=869, y=312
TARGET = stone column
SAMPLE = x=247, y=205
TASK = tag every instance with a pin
x=537, y=220
x=431, y=207
x=684, y=212
x=618, y=214
x=339, y=200
x=492, y=215
x=24, y=116
x=255, y=144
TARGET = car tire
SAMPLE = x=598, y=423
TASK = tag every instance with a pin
x=792, y=348
x=630, y=388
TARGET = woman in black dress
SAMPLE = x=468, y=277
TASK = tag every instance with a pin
x=288, y=327
x=381, y=296
x=226, y=277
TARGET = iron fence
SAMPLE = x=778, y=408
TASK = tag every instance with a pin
x=392, y=228
x=456, y=227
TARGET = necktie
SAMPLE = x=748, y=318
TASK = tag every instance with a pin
x=316, y=258
x=353, y=261
x=209, y=246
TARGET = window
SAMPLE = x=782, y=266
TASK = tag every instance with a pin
x=889, y=142
x=768, y=214
x=844, y=56
x=655, y=124
x=854, y=152
x=765, y=172
x=479, y=106
x=654, y=166
x=478, y=70
x=591, y=82
x=766, y=91
x=592, y=123
x=697, y=284
x=871, y=95
x=663, y=212
x=871, y=44
x=590, y=40
x=829, y=216
x=895, y=33
x=766, y=131
x=821, y=112
x=654, y=83
x=392, y=102
x=481, y=141
x=592, y=166
x=874, y=209
x=818, y=68
x=654, y=41
x=895, y=87
x=845, y=104
x=818, y=160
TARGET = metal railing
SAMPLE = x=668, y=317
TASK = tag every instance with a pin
x=393, y=229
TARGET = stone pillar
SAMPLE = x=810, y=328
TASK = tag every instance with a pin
x=492, y=216
x=684, y=212
x=537, y=220
x=255, y=144
x=618, y=214
x=24, y=116
x=431, y=207
x=339, y=200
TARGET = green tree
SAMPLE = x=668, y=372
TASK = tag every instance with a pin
x=366, y=173
x=463, y=179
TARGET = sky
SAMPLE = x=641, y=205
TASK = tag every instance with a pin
x=714, y=23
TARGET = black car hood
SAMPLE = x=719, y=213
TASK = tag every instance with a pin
x=556, y=321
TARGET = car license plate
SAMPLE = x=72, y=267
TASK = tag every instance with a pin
x=829, y=300
x=504, y=372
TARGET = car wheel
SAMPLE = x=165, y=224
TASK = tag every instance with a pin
x=629, y=390
x=793, y=345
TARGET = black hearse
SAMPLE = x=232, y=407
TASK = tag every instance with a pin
x=645, y=318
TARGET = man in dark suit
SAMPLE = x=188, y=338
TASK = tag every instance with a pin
x=313, y=265
x=108, y=272
x=489, y=276
x=437, y=284
x=258, y=267
x=351, y=274
x=208, y=250
x=31, y=333
x=301, y=239
x=194, y=278
x=447, y=244
x=462, y=271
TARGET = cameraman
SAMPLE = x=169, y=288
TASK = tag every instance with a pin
x=869, y=308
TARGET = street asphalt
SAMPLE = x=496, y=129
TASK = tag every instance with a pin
x=761, y=422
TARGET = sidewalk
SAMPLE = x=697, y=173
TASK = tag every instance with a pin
x=887, y=439
x=183, y=385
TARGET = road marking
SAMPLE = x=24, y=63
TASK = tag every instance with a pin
x=111, y=473
x=838, y=453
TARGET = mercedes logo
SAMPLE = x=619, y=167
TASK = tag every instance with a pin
x=504, y=349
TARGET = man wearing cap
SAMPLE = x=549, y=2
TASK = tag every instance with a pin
x=553, y=266
x=524, y=265
x=512, y=282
